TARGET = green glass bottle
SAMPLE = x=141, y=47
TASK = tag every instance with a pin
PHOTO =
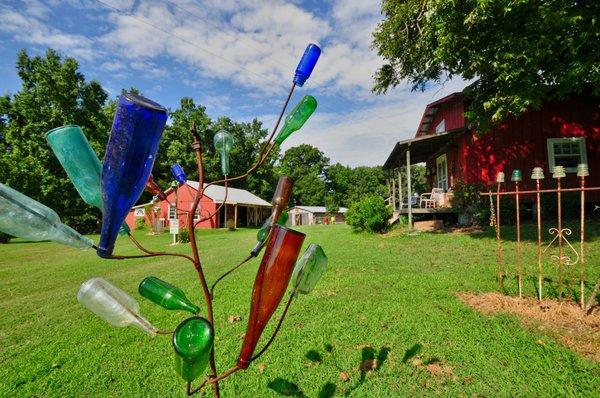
x=166, y=295
x=261, y=235
x=309, y=269
x=75, y=154
x=297, y=117
x=26, y=218
x=192, y=341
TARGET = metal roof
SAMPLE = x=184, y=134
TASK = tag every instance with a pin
x=318, y=209
x=421, y=148
x=234, y=195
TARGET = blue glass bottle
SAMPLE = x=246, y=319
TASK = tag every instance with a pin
x=178, y=173
x=135, y=134
x=307, y=64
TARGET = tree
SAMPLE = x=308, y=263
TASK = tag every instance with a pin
x=307, y=166
x=248, y=142
x=347, y=185
x=53, y=93
x=520, y=52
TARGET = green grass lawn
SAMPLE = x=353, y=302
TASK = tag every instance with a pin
x=390, y=298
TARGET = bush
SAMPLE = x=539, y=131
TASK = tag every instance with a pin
x=140, y=223
x=369, y=214
x=4, y=238
x=184, y=236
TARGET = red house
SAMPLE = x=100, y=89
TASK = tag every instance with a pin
x=559, y=133
x=241, y=209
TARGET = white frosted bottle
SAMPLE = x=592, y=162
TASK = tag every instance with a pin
x=113, y=305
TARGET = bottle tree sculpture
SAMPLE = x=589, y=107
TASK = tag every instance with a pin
x=117, y=184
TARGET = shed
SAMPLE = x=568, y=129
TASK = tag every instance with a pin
x=309, y=215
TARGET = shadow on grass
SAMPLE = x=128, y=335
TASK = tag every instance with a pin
x=371, y=361
x=285, y=388
x=411, y=352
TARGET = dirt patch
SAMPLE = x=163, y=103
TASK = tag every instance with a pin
x=563, y=321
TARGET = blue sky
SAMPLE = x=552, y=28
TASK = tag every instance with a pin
x=236, y=57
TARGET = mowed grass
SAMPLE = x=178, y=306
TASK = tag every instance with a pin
x=383, y=312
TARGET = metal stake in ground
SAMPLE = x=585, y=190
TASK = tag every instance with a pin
x=537, y=175
x=582, y=172
x=516, y=178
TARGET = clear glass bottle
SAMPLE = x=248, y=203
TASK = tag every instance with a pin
x=26, y=218
x=113, y=305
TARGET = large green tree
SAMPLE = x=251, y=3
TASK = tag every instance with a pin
x=53, y=93
x=519, y=52
x=248, y=142
x=307, y=166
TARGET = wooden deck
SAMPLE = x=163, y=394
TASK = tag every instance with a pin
x=419, y=210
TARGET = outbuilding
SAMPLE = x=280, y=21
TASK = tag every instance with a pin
x=309, y=215
x=241, y=208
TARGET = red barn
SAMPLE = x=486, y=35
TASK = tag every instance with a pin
x=559, y=133
x=241, y=209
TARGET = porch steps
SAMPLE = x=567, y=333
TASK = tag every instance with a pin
x=395, y=217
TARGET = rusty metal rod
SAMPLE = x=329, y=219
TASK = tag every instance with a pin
x=581, y=246
x=519, y=259
x=560, y=239
x=499, y=254
x=539, y=238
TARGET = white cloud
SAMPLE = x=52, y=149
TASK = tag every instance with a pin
x=366, y=137
x=28, y=29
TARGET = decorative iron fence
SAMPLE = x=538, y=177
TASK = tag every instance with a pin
x=560, y=249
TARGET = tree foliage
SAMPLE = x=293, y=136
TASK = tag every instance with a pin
x=53, y=93
x=369, y=214
x=519, y=52
x=306, y=165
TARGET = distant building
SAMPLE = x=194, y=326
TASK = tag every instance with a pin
x=309, y=215
x=241, y=209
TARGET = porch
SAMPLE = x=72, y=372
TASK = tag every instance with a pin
x=414, y=151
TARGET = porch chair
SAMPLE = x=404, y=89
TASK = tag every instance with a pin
x=432, y=199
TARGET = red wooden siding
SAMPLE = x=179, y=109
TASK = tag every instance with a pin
x=521, y=143
x=185, y=198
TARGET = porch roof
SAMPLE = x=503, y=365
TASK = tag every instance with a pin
x=421, y=148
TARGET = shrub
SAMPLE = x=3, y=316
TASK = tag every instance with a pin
x=184, y=236
x=369, y=214
x=140, y=223
x=4, y=238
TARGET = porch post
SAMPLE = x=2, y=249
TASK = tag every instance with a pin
x=408, y=188
x=393, y=181
x=225, y=216
x=235, y=216
x=400, y=186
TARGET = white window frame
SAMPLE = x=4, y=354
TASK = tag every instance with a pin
x=441, y=127
x=443, y=159
x=172, y=210
x=582, y=151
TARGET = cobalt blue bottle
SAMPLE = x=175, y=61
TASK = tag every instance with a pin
x=307, y=64
x=178, y=173
x=136, y=131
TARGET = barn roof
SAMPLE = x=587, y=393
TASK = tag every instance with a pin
x=234, y=195
x=318, y=209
